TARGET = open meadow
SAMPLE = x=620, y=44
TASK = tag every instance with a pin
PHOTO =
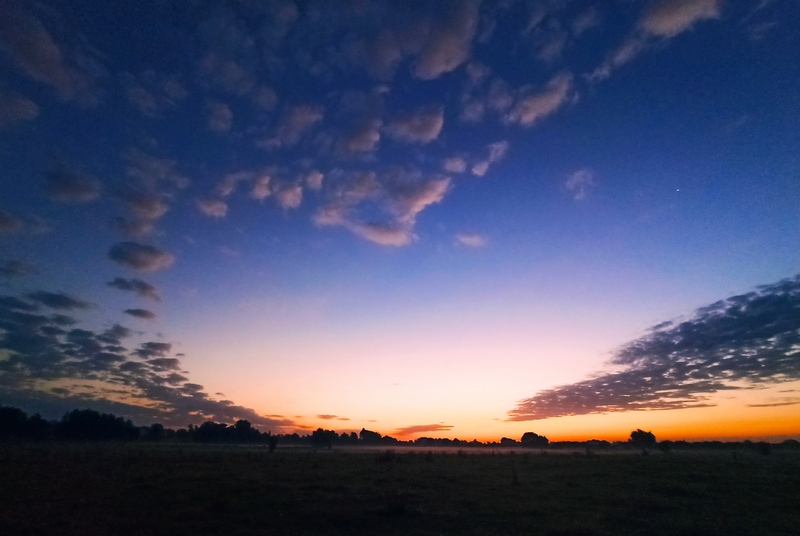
x=137, y=489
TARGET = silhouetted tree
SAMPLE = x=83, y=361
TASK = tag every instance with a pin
x=368, y=437
x=13, y=423
x=643, y=440
x=323, y=438
x=210, y=431
x=156, y=432
x=530, y=439
x=87, y=424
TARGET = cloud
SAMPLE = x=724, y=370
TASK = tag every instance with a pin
x=382, y=55
x=152, y=93
x=57, y=300
x=664, y=19
x=30, y=225
x=10, y=224
x=141, y=257
x=210, y=206
x=741, y=342
x=471, y=240
x=261, y=187
x=153, y=172
x=584, y=21
x=579, y=183
x=455, y=164
x=146, y=206
x=668, y=18
x=141, y=288
x=220, y=117
x=149, y=350
x=12, y=302
x=69, y=185
x=408, y=199
x=553, y=47
x=314, y=180
x=626, y=52
x=422, y=126
x=132, y=227
x=140, y=313
x=381, y=208
x=265, y=98
x=531, y=107
x=229, y=74
x=290, y=196
x=326, y=417
x=46, y=367
x=362, y=139
x=422, y=428
x=495, y=151
x=16, y=269
x=72, y=73
x=297, y=121
x=227, y=186
x=448, y=42
x=382, y=234
x=14, y=109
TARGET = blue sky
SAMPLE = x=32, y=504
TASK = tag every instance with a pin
x=394, y=215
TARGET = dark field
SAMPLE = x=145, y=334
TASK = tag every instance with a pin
x=189, y=489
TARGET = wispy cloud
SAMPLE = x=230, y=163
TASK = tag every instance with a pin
x=153, y=93
x=422, y=428
x=213, y=207
x=663, y=20
x=12, y=268
x=471, y=240
x=11, y=224
x=141, y=288
x=290, y=196
x=72, y=72
x=57, y=300
x=140, y=313
x=740, y=342
x=421, y=126
x=579, y=183
x=141, y=257
x=454, y=164
x=67, y=184
x=220, y=117
x=51, y=365
x=668, y=18
x=448, y=42
x=398, y=194
x=495, y=152
x=532, y=106
x=15, y=108
x=296, y=123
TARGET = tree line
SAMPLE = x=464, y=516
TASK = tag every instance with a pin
x=91, y=425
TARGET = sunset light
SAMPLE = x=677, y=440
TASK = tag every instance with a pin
x=451, y=219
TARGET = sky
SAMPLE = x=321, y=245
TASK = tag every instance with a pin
x=442, y=218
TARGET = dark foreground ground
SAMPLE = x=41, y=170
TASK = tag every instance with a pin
x=108, y=489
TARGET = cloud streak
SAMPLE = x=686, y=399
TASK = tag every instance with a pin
x=141, y=257
x=141, y=288
x=422, y=428
x=741, y=342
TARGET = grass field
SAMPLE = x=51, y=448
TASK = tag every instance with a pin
x=94, y=489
